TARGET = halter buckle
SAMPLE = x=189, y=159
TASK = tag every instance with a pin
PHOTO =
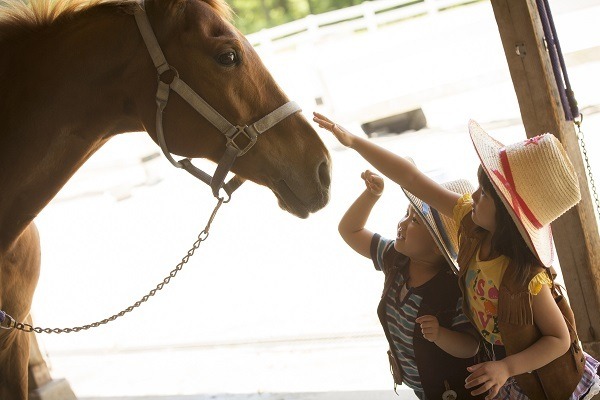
x=242, y=148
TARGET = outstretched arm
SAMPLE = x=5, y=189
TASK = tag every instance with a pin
x=397, y=168
x=352, y=225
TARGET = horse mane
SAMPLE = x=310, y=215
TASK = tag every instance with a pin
x=16, y=15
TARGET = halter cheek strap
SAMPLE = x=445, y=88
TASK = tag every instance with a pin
x=233, y=149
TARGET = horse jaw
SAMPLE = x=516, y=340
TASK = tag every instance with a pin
x=289, y=200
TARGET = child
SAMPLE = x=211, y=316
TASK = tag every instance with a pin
x=504, y=256
x=420, y=310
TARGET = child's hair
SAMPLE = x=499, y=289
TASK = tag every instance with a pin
x=507, y=239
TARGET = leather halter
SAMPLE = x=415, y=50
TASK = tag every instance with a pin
x=231, y=132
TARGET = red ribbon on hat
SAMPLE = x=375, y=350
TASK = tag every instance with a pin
x=509, y=183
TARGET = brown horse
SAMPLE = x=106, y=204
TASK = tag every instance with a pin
x=74, y=75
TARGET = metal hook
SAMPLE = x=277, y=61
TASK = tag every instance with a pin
x=8, y=322
x=579, y=121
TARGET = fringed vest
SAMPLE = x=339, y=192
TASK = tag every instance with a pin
x=554, y=381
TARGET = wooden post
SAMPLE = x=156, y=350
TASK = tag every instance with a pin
x=575, y=233
x=41, y=384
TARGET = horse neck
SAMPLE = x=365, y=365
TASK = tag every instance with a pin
x=65, y=93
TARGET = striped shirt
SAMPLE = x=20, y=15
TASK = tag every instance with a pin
x=402, y=307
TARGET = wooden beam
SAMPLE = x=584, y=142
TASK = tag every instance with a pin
x=41, y=384
x=576, y=232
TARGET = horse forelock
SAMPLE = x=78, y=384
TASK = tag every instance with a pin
x=221, y=8
x=18, y=16
x=38, y=13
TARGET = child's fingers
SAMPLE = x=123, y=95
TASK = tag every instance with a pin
x=368, y=176
x=322, y=120
x=424, y=318
x=470, y=383
x=377, y=180
x=483, y=388
x=373, y=181
x=319, y=115
x=493, y=392
x=426, y=324
x=476, y=378
x=429, y=329
x=478, y=375
x=363, y=175
x=475, y=367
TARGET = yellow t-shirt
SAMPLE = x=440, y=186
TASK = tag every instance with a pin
x=482, y=280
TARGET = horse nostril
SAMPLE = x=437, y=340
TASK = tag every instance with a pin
x=325, y=173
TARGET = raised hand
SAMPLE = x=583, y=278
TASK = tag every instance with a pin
x=342, y=134
x=373, y=182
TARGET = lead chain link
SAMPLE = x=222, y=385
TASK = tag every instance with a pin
x=588, y=166
x=202, y=236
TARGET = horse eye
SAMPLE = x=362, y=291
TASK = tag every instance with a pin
x=228, y=59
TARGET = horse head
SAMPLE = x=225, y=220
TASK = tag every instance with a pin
x=216, y=61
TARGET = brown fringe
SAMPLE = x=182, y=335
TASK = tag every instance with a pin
x=519, y=310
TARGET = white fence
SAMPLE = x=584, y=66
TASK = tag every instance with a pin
x=369, y=15
x=380, y=58
x=386, y=57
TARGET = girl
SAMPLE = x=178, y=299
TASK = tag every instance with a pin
x=431, y=341
x=504, y=257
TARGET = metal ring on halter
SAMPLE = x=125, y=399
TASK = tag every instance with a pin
x=222, y=198
x=241, y=131
x=171, y=69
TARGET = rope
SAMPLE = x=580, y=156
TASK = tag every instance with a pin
x=567, y=96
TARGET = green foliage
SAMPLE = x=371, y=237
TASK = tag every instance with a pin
x=254, y=15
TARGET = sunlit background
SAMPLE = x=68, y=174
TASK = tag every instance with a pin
x=271, y=304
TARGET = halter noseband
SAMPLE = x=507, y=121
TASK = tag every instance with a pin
x=231, y=132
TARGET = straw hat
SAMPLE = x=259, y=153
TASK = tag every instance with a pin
x=443, y=229
x=535, y=180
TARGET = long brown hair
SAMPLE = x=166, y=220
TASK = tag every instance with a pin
x=507, y=239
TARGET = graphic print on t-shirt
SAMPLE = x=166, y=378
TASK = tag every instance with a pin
x=483, y=302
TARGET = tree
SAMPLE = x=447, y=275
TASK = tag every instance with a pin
x=254, y=15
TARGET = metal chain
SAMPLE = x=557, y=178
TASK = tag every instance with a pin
x=7, y=322
x=587, y=163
